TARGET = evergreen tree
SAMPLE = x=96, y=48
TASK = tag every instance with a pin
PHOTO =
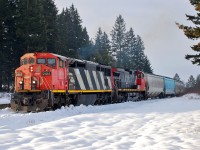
x=118, y=40
x=36, y=25
x=49, y=34
x=130, y=49
x=8, y=43
x=191, y=82
x=31, y=25
x=193, y=32
x=197, y=85
x=147, y=66
x=176, y=77
x=139, y=56
x=73, y=39
x=102, y=48
x=86, y=45
x=64, y=27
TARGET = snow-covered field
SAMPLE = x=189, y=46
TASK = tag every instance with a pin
x=167, y=124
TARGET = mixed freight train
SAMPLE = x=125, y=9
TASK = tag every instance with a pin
x=48, y=81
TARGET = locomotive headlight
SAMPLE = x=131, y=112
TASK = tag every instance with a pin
x=31, y=68
x=20, y=82
x=34, y=82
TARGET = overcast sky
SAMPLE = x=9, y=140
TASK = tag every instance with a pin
x=154, y=20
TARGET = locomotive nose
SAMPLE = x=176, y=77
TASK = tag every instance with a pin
x=25, y=79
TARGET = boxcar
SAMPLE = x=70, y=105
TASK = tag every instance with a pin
x=169, y=86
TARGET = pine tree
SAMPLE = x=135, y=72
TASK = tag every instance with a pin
x=49, y=34
x=31, y=25
x=118, y=40
x=8, y=42
x=147, y=65
x=176, y=77
x=193, y=32
x=139, y=56
x=197, y=85
x=130, y=49
x=64, y=25
x=191, y=82
x=73, y=39
x=102, y=48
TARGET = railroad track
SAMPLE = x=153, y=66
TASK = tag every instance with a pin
x=2, y=106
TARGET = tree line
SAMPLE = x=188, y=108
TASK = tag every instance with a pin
x=193, y=84
x=36, y=26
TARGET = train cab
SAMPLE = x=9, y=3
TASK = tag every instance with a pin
x=140, y=80
x=36, y=71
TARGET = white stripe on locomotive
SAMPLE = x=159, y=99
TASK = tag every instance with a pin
x=79, y=78
x=109, y=82
x=102, y=80
x=89, y=79
x=96, y=80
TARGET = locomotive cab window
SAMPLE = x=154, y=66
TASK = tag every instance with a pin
x=24, y=61
x=41, y=61
x=31, y=61
x=107, y=72
x=80, y=64
x=77, y=64
x=139, y=76
x=98, y=68
x=61, y=63
x=52, y=61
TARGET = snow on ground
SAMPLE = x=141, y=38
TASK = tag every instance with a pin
x=5, y=98
x=167, y=124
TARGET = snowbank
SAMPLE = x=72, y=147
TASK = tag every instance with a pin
x=5, y=98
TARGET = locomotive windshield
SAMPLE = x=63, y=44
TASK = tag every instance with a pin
x=41, y=61
x=24, y=61
x=27, y=61
x=51, y=62
x=31, y=60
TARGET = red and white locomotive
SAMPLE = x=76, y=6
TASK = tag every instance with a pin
x=48, y=81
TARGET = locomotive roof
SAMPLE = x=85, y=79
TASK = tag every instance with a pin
x=74, y=59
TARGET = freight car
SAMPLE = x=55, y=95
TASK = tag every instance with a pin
x=160, y=86
x=179, y=88
x=48, y=81
x=169, y=87
x=155, y=85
